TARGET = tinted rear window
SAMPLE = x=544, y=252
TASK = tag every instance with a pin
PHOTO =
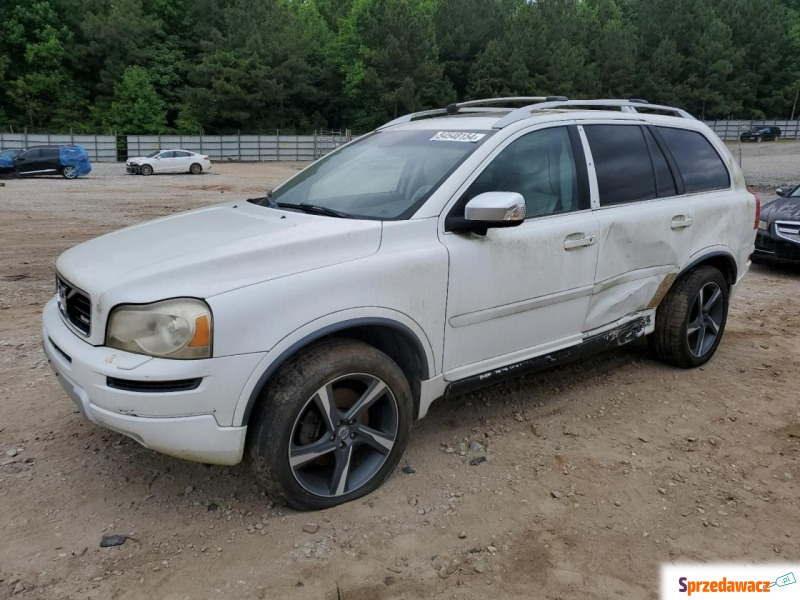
x=701, y=167
x=622, y=163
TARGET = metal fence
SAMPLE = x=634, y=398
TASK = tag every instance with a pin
x=254, y=148
x=262, y=148
x=730, y=130
x=101, y=148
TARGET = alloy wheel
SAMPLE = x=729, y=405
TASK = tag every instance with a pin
x=343, y=435
x=705, y=319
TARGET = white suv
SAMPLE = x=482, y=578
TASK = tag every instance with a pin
x=446, y=251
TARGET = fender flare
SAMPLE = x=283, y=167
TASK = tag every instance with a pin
x=716, y=252
x=284, y=350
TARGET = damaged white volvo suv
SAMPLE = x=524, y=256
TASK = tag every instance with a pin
x=445, y=251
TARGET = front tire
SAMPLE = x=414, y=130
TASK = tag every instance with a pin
x=331, y=425
x=146, y=170
x=691, y=319
x=69, y=172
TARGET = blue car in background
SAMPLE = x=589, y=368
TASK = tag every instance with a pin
x=68, y=161
x=7, y=160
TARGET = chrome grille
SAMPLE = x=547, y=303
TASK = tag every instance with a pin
x=788, y=230
x=75, y=306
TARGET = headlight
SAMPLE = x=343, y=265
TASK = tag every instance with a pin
x=763, y=225
x=179, y=328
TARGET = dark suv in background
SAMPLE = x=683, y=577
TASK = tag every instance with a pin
x=42, y=160
x=757, y=134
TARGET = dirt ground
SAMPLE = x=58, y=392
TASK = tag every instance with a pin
x=596, y=473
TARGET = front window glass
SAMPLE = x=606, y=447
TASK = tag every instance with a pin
x=385, y=175
x=540, y=166
x=153, y=154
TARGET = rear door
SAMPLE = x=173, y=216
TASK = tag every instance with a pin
x=645, y=226
x=723, y=217
x=183, y=160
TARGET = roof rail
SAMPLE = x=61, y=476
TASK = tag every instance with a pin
x=453, y=109
x=632, y=106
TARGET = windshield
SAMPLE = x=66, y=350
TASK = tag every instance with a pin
x=9, y=153
x=384, y=175
x=152, y=154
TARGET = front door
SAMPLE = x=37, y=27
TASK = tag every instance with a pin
x=522, y=291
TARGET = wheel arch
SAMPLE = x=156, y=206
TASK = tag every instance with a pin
x=720, y=260
x=395, y=339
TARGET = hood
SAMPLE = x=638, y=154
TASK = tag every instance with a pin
x=781, y=209
x=137, y=158
x=210, y=251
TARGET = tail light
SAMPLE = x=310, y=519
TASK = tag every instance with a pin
x=758, y=211
x=206, y=158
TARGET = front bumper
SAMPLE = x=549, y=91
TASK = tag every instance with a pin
x=132, y=169
x=192, y=424
x=772, y=248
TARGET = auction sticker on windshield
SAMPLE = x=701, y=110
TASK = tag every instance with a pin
x=457, y=136
x=728, y=581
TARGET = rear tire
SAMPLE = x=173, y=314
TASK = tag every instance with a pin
x=146, y=170
x=691, y=319
x=330, y=425
x=195, y=169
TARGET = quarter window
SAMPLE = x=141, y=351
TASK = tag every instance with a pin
x=701, y=167
x=622, y=163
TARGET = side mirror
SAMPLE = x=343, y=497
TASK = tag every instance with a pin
x=488, y=210
x=783, y=190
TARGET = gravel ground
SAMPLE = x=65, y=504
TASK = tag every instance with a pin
x=768, y=164
x=595, y=473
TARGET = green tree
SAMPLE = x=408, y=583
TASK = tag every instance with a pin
x=464, y=28
x=388, y=59
x=136, y=106
x=260, y=68
x=34, y=67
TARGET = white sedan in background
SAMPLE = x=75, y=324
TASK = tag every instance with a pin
x=168, y=161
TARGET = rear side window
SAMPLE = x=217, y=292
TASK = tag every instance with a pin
x=701, y=167
x=622, y=163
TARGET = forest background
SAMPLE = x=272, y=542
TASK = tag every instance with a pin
x=222, y=66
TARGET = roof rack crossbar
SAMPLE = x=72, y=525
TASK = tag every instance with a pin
x=455, y=108
x=632, y=106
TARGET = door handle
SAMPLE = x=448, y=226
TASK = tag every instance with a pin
x=576, y=240
x=681, y=221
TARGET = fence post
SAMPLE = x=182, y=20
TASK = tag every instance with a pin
x=278, y=145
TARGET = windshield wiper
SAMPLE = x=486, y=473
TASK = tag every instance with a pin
x=313, y=209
